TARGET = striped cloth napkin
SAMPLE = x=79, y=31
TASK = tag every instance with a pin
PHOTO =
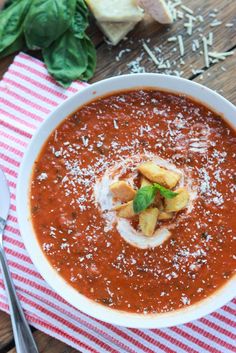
x=27, y=95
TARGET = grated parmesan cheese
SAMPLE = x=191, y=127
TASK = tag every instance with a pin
x=220, y=56
x=229, y=25
x=215, y=23
x=172, y=39
x=181, y=45
x=187, y=9
x=210, y=39
x=150, y=53
x=205, y=51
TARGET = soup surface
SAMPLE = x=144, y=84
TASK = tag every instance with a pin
x=79, y=232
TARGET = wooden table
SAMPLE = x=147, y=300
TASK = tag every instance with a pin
x=113, y=61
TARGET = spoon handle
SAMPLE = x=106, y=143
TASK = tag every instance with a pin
x=24, y=340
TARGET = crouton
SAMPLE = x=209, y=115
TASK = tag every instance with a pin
x=178, y=202
x=164, y=215
x=125, y=210
x=145, y=182
x=148, y=220
x=122, y=191
x=159, y=175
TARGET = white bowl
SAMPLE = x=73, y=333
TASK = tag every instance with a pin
x=71, y=295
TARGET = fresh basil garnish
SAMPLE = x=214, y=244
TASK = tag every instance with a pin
x=167, y=193
x=144, y=198
x=146, y=195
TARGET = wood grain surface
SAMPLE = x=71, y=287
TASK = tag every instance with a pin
x=224, y=39
x=111, y=61
x=5, y=330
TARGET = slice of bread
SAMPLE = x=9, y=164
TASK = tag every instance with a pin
x=158, y=9
x=115, y=32
x=115, y=10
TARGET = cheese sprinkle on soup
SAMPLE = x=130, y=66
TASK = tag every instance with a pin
x=82, y=237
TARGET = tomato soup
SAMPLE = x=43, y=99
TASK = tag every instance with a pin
x=78, y=231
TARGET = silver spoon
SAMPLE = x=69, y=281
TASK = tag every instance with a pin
x=24, y=339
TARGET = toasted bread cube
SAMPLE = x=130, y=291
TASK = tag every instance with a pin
x=148, y=221
x=164, y=215
x=159, y=175
x=122, y=191
x=144, y=182
x=178, y=202
x=126, y=210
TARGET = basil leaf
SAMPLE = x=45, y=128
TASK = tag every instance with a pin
x=167, y=193
x=146, y=195
x=46, y=21
x=15, y=46
x=144, y=198
x=91, y=51
x=11, y=23
x=80, y=20
x=66, y=58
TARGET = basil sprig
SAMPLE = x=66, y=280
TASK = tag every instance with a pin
x=57, y=27
x=146, y=195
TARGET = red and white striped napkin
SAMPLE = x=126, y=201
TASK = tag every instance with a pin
x=27, y=95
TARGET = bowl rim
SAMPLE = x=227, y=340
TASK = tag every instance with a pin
x=113, y=316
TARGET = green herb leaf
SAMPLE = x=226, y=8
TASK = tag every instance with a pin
x=91, y=51
x=15, y=46
x=46, y=21
x=11, y=25
x=80, y=20
x=66, y=59
x=144, y=198
x=146, y=195
x=167, y=193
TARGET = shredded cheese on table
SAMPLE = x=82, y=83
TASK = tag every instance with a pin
x=181, y=45
x=206, y=57
x=199, y=43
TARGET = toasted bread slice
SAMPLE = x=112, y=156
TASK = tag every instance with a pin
x=115, y=10
x=115, y=32
x=157, y=9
